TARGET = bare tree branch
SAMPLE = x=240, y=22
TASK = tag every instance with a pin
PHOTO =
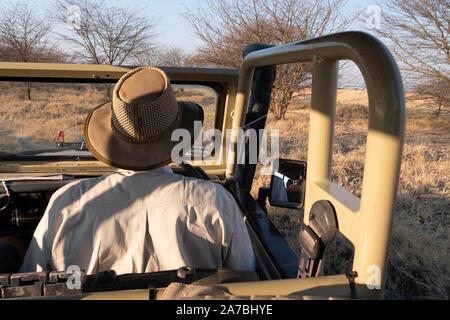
x=24, y=38
x=104, y=34
x=226, y=26
x=419, y=31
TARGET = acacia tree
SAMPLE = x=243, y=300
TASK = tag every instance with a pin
x=419, y=31
x=24, y=38
x=167, y=56
x=226, y=26
x=103, y=34
x=174, y=57
x=437, y=92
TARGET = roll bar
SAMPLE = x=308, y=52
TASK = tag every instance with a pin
x=366, y=222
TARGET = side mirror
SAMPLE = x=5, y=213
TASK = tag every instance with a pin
x=287, y=187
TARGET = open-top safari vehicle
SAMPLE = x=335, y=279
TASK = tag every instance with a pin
x=242, y=102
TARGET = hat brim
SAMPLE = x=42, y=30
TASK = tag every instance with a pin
x=108, y=146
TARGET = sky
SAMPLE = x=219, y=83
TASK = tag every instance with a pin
x=175, y=31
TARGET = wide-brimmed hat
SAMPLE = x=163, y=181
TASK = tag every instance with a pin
x=134, y=130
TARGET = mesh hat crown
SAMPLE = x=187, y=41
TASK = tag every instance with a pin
x=144, y=107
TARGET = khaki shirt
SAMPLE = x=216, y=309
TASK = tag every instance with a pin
x=140, y=222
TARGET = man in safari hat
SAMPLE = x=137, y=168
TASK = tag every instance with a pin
x=143, y=217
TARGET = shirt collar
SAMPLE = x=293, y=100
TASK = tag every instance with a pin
x=163, y=169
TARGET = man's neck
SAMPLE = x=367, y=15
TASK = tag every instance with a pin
x=163, y=169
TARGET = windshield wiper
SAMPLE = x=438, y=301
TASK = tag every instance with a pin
x=2, y=153
x=72, y=145
x=48, y=154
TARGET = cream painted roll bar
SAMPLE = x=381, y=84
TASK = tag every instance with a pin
x=366, y=222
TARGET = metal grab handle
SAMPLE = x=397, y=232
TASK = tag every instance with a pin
x=366, y=222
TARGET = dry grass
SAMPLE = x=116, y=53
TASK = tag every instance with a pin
x=32, y=125
x=35, y=124
x=419, y=259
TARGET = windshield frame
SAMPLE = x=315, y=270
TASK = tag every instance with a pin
x=222, y=81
